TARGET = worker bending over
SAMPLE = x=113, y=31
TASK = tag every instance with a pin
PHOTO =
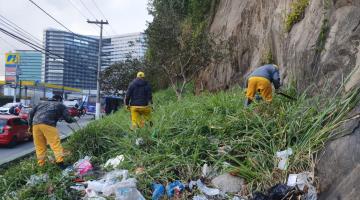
x=42, y=123
x=260, y=81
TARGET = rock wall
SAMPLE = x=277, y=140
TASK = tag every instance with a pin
x=322, y=48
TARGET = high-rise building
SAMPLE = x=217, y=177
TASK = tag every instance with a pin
x=72, y=61
x=121, y=47
x=30, y=65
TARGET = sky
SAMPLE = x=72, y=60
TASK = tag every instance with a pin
x=124, y=16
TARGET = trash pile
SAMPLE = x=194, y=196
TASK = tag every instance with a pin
x=119, y=185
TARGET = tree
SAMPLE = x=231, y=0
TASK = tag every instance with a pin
x=117, y=77
x=178, y=39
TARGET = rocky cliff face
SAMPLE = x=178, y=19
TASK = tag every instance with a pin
x=322, y=48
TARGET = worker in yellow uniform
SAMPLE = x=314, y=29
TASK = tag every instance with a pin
x=259, y=81
x=42, y=123
x=137, y=99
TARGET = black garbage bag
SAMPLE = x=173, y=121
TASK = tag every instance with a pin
x=259, y=196
x=278, y=191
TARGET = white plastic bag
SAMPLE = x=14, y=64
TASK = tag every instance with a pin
x=114, y=162
x=284, y=156
x=206, y=190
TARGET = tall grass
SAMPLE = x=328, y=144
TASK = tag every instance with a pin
x=188, y=133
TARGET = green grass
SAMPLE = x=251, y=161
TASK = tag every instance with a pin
x=187, y=133
x=297, y=13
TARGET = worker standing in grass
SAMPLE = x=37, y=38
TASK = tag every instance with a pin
x=42, y=123
x=137, y=100
x=260, y=81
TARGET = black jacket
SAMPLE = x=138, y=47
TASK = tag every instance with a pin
x=138, y=93
x=49, y=113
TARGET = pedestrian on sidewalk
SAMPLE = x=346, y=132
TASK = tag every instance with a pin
x=259, y=81
x=137, y=100
x=42, y=123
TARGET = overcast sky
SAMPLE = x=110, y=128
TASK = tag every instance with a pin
x=125, y=16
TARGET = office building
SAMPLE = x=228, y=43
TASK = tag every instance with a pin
x=30, y=65
x=72, y=61
x=121, y=47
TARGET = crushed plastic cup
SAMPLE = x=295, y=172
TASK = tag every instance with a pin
x=284, y=156
x=174, y=188
x=158, y=191
x=37, y=179
x=114, y=162
x=83, y=166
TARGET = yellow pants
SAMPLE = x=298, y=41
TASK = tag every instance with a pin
x=139, y=114
x=261, y=85
x=44, y=134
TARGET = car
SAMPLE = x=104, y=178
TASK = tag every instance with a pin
x=70, y=103
x=13, y=129
x=24, y=113
x=5, y=108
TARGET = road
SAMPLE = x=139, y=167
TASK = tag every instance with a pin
x=22, y=149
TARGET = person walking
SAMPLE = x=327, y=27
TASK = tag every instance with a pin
x=260, y=81
x=42, y=123
x=137, y=100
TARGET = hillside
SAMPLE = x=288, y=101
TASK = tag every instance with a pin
x=189, y=133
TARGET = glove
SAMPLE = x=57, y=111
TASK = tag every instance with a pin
x=127, y=107
x=30, y=129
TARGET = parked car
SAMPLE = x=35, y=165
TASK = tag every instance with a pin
x=6, y=108
x=24, y=113
x=13, y=129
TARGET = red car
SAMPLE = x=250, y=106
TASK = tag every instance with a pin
x=13, y=129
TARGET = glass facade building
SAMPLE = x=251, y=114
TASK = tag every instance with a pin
x=121, y=47
x=30, y=65
x=72, y=61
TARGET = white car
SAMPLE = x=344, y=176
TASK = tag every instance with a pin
x=5, y=108
x=71, y=103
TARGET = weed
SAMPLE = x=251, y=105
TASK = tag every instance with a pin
x=297, y=13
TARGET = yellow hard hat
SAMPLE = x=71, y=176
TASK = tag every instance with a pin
x=140, y=75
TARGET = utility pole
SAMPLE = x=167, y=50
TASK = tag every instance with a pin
x=98, y=105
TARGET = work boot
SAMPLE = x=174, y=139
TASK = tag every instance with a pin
x=62, y=166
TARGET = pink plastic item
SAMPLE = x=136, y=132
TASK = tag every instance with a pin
x=83, y=166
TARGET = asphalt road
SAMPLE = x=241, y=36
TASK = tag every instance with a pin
x=22, y=149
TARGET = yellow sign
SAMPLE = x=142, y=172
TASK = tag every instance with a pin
x=12, y=58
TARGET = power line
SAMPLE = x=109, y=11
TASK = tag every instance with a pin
x=97, y=7
x=81, y=13
x=51, y=16
x=15, y=28
x=28, y=43
x=92, y=14
x=8, y=43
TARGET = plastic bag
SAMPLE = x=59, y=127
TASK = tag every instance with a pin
x=110, y=189
x=206, y=190
x=278, y=191
x=114, y=162
x=128, y=194
x=82, y=166
x=284, y=156
x=174, y=188
x=36, y=179
x=301, y=180
x=158, y=191
x=260, y=196
x=200, y=197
